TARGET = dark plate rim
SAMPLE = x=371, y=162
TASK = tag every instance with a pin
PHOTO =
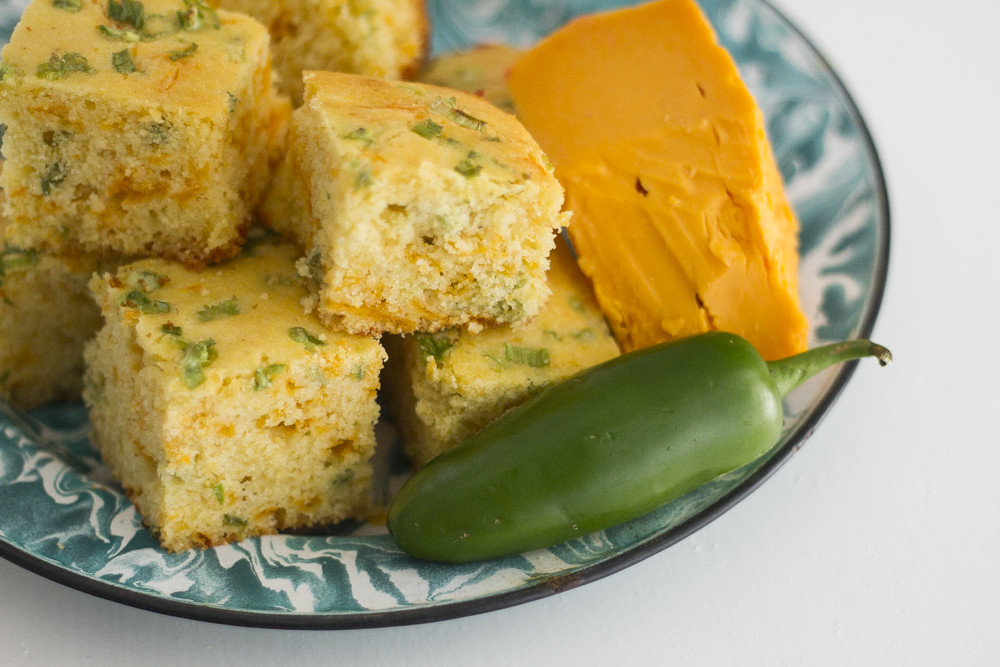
x=558, y=583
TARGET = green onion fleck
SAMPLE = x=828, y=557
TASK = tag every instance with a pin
x=468, y=168
x=157, y=134
x=362, y=134
x=186, y=52
x=171, y=329
x=466, y=120
x=428, y=129
x=54, y=176
x=434, y=347
x=343, y=477
x=300, y=335
x=12, y=259
x=15, y=258
x=448, y=107
x=122, y=62
x=196, y=356
x=226, y=308
x=234, y=521
x=443, y=105
x=198, y=16
x=140, y=300
x=127, y=11
x=363, y=177
x=59, y=67
x=6, y=70
x=529, y=356
x=317, y=375
x=509, y=311
x=67, y=5
x=264, y=375
x=219, y=493
x=115, y=33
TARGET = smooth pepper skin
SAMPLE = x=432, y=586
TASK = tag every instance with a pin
x=606, y=446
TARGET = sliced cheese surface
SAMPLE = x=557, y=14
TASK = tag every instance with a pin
x=679, y=213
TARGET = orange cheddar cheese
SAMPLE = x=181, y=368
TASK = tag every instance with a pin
x=680, y=218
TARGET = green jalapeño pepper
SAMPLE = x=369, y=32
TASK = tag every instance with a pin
x=607, y=445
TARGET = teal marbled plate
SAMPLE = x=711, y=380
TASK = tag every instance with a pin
x=62, y=516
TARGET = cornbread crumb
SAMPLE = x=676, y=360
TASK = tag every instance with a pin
x=420, y=208
x=386, y=39
x=224, y=415
x=145, y=134
x=447, y=386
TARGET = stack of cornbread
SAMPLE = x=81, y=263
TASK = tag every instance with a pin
x=249, y=261
x=231, y=373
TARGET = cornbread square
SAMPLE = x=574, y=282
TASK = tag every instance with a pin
x=146, y=128
x=381, y=38
x=225, y=410
x=421, y=208
x=447, y=386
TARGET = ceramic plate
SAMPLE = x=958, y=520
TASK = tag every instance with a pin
x=62, y=517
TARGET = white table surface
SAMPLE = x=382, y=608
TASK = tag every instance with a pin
x=877, y=544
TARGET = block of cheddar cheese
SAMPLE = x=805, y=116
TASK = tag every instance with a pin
x=679, y=213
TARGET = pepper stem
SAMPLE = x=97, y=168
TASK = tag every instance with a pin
x=790, y=372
